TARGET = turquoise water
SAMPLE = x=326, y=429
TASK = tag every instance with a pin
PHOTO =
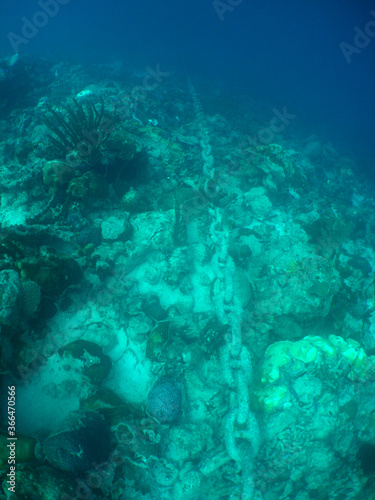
x=187, y=287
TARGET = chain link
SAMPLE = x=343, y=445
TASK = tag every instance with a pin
x=241, y=430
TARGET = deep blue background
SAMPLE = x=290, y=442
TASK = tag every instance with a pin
x=286, y=53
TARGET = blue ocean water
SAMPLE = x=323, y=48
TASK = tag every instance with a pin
x=187, y=250
x=286, y=54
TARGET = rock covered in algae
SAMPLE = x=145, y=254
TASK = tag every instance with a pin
x=84, y=441
x=10, y=297
x=95, y=364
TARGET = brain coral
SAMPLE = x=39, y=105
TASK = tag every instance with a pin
x=164, y=401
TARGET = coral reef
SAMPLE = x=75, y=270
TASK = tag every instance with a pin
x=198, y=307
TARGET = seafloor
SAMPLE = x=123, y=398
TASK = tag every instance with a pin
x=186, y=293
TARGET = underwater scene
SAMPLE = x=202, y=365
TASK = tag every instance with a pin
x=187, y=250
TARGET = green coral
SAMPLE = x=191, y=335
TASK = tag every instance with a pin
x=335, y=355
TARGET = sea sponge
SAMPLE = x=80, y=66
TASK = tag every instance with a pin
x=84, y=441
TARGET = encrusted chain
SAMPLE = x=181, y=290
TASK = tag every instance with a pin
x=241, y=431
